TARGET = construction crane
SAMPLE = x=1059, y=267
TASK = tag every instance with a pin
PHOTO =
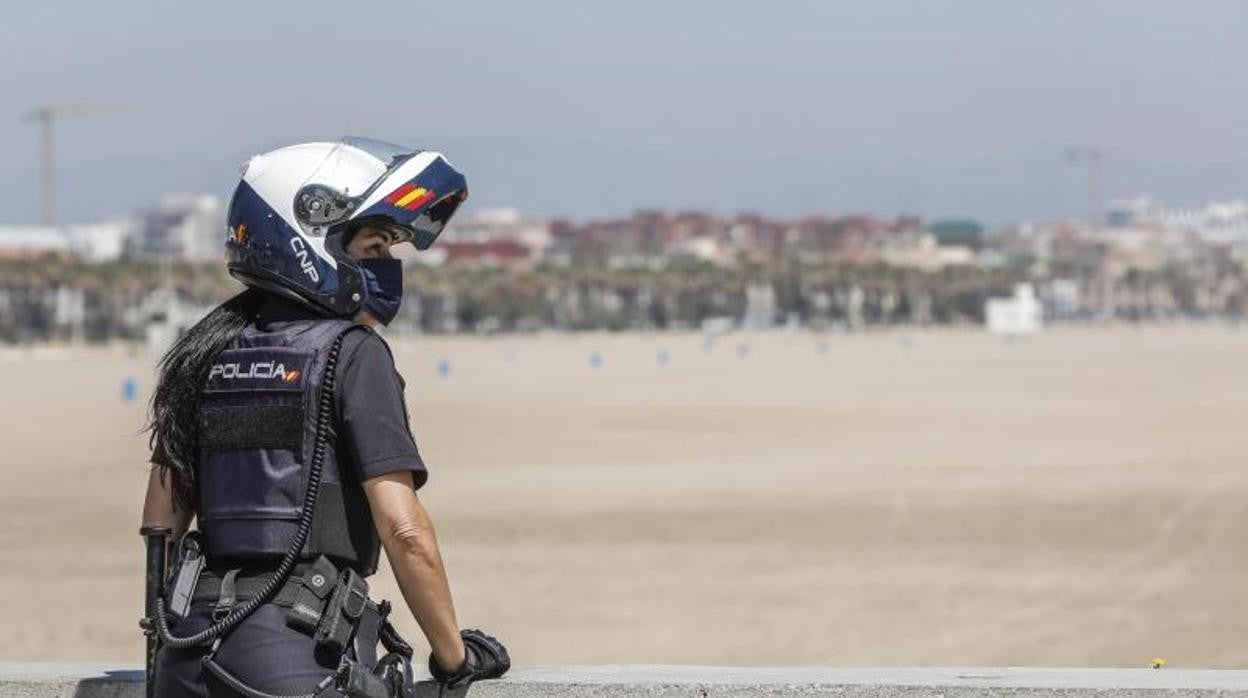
x=1092, y=156
x=46, y=118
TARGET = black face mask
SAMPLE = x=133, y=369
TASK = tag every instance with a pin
x=383, y=287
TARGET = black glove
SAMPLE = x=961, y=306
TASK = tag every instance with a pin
x=484, y=658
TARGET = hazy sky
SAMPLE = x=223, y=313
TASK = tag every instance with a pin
x=593, y=108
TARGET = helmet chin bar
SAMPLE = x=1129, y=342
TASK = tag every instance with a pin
x=317, y=207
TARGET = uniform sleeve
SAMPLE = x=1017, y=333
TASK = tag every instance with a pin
x=373, y=415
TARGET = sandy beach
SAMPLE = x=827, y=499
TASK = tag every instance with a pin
x=890, y=498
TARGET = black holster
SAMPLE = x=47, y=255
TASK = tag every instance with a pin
x=392, y=678
x=368, y=677
x=342, y=614
x=359, y=681
x=331, y=607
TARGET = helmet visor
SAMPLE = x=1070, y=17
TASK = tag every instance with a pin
x=419, y=195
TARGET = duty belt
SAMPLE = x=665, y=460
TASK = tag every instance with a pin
x=246, y=586
x=331, y=606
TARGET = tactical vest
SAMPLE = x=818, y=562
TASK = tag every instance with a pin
x=257, y=427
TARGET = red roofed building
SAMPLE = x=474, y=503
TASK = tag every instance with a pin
x=488, y=253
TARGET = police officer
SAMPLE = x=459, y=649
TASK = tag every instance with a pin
x=279, y=426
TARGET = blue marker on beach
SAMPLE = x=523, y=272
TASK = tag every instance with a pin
x=444, y=368
x=129, y=389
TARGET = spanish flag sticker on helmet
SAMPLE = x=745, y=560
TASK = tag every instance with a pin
x=410, y=197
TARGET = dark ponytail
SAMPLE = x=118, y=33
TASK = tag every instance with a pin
x=173, y=416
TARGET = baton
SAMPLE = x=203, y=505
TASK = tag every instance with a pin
x=156, y=537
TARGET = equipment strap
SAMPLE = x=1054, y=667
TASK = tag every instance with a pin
x=227, y=597
x=324, y=689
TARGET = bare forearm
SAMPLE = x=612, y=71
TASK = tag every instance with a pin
x=418, y=568
x=159, y=508
x=407, y=534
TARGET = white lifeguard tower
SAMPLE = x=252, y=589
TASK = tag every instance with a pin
x=1018, y=316
x=164, y=318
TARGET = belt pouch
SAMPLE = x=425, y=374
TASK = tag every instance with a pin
x=342, y=613
x=317, y=583
x=190, y=565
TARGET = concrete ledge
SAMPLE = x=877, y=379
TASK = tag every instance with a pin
x=103, y=680
x=69, y=680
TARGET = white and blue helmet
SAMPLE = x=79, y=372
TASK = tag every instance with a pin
x=295, y=206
